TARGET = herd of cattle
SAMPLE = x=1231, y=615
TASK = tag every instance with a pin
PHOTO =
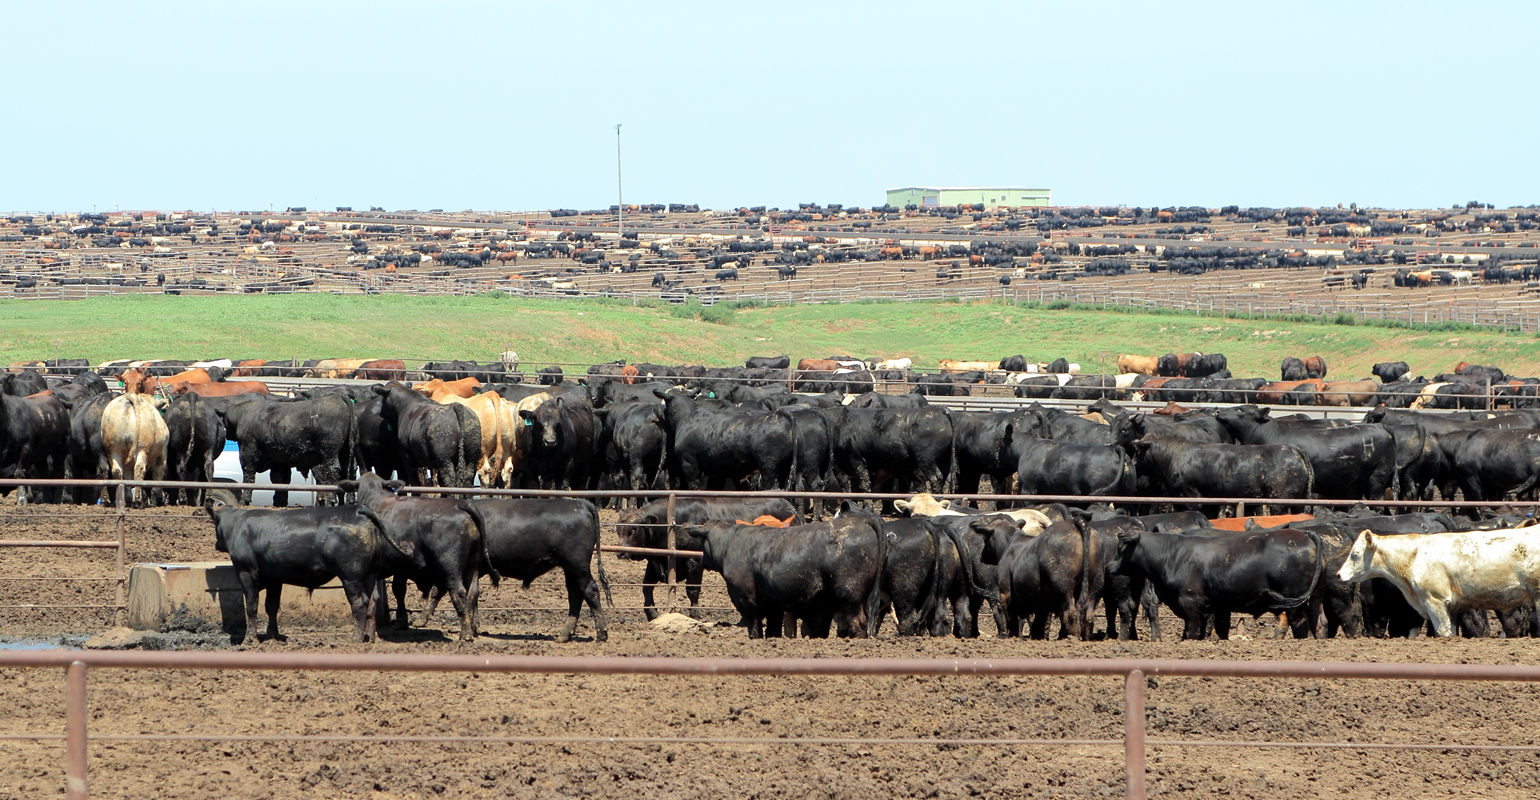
x=651, y=427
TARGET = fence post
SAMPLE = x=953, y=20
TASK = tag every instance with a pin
x=120, y=613
x=1240, y=510
x=75, y=731
x=673, y=587
x=1133, y=733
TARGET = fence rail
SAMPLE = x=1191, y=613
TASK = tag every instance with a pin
x=1133, y=671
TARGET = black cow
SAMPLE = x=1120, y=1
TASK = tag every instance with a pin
x=1054, y=574
x=659, y=279
x=727, y=274
x=878, y=400
x=1206, y=364
x=914, y=447
x=448, y=533
x=87, y=456
x=196, y=438
x=1059, y=426
x=309, y=547
x=526, y=538
x=1294, y=370
x=1235, y=390
x=1198, y=576
x=1053, y=467
x=1391, y=371
x=634, y=446
x=1491, y=464
x=440, y=444
x=814, y=471
x=377, y=448
x=1174, y=468
x=561, y=442
x=822, y=572
x=23, y=384
x=1419, y=461
x=922, y=565
x=767, y=362
x=1059, y=366
x=1016, y=363
x=712, y=446
x=647, y=526
x=986, y=445
x=284, y=435
x=549, y=376
x=34, y=439
x=1355, y=462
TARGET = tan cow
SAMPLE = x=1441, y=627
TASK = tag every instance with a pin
x=336, y=367
x=134, y=436
x=498, y=433
x=1143, y=365
x=948, y=365
x=1348, y=393
x=465, y=387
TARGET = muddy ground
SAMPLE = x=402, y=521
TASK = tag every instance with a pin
x=384, y=704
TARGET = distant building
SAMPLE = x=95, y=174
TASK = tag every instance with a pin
x=987, y=196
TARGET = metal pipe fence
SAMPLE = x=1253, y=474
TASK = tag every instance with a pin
x=1134, y=673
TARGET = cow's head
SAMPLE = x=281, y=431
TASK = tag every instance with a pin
x=922, y=505
x=638, y=528
x=1128, y=541
x=545, y=421
x=997, y=531
x=1359, y=559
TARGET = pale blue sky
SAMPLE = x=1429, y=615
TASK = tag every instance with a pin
x=513, y=106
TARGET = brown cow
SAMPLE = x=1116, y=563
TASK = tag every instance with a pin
x=1140, y=365
x=1273, y=393
x=818, y=364
x=221, y=389
x=1349, y=393
x=1238, y=524
x=335, y=367
x=769, y=521
x=248, y=368
x=1171, y=410
x=930, y=252
x=465, y=387
x=389, y=369
x=1315, y=366
x=891, y=253
x=628, y=375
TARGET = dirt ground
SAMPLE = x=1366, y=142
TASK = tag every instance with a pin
x=402, y=704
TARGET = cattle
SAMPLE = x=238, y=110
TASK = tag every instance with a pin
x=134, y=438
x=710, y=447
x=814, y=470
x=1058, y=468
x=1052, y=574
x=633, y=444
x=913, y=447
x=308, y=547
x=647, y=526
x=1354, y=462
x=1176, y=468
x=922, y=564
x=1444, y=574
x=389, y=369
x=1016, y=363
x=949, y=365
x=876, y=400
x=86, y=457
x=1493, y=463
x=817, y=365
x=280, y=436
x=1391, y=371
x=785, y=272
x=449, y=534
x=1348, y=393
x=526, y=538
x=822, y=572
x=1286, y=392
x=561, y=442
x=767, y=362
x=499, y=450
x=1141, y=365
x=1202, y=365
x=628, y=375
x=34, y=437
x=464, y=387
x=24, y=384
x=549, y=376
x=338, y=367
x=195, y=438
x=440, y=444
x=1201, y=576
x=986, y=445
x=727, y=274
x=1055, y=424
x=1294, y=370
x=221, y=389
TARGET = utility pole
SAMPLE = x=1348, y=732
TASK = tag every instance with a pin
x=620, y=194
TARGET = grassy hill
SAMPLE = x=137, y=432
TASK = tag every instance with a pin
x=397, y=326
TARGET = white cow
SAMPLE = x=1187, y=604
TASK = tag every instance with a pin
x=895, y=363
x=925, y=504
x=1443, y=574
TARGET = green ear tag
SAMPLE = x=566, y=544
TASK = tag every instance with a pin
x=711, y=395
x=528, y=423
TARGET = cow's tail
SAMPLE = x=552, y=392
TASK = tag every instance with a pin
x=379, y=525
x=1084, y=600
x=874, y=598
x=1309, y=474
x=604, y=581
x=937, y=585
x=467, y=451
x=185, y=457
x=481, y=531
x=348, y=459
x=793, y=475
x=1282, y=603
x=949, y=484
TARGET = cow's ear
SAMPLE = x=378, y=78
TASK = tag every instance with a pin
x=1126, y=537
x=1264, y=412
x=394, y=486
x=945, y=503
x=347, y=485
x=380, y=390
x=526, y=413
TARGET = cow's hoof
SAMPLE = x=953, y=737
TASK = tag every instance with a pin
x=602, y=636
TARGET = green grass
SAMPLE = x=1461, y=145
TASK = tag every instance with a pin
x=319, y=326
